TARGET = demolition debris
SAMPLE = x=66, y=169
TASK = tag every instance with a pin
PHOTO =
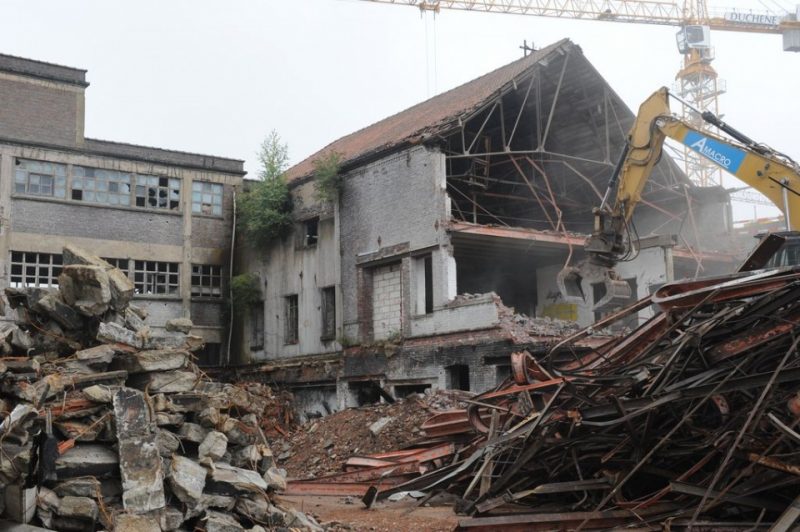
x=110, y=425
x=691, y=420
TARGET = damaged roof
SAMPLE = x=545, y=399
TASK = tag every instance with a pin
x=429, y=118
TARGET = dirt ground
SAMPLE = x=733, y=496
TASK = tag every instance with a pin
x=348, y=513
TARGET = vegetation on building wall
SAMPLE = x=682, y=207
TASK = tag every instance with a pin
x=245, y=291
x=265, y=209
x=328, y=180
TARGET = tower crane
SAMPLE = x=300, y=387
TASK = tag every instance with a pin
x=697, y=82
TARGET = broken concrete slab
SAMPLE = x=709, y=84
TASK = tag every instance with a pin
x=120, y=285
x=131, y=413
x=219, y=522
x=192, y=432
x=276, y=479
x=79, y=507
x=142, y=476
x=237, y=478
x=165, y=382
x=113, y=333
x=213, y=446
x=181, y=325
x=87, y=460
x=136, y=523
x=167, y=442
x=379, y=425
x=56, y=309
x=187, y=479
x=165, y=340
x=88, y=487
x=155, y=360
x=20, y=503
x=85, y=288
x=220, y=502
x=166, y=419
x=98, y=356
x=100, y=393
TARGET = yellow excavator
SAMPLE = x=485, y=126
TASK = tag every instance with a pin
x=773, y=174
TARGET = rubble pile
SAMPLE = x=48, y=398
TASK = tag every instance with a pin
x=322, y=446
x=109, y=424
x=688, y=421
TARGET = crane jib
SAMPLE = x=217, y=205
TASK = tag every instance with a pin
x=725, y=155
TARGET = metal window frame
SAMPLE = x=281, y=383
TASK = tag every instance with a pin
x=152, y=283
x=49, y=279
x=210, y=272
x=291, y=328
x=217, y=191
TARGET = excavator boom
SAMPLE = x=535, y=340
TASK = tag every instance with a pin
x=773, y=174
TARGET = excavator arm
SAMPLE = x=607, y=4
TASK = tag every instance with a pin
x=771, y=173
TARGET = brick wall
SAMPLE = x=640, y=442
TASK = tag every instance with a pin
x=386, y=301
x=63, y=219
x=40, y=111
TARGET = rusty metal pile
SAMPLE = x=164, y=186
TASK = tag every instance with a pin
x=690, y=421
x=108, y=424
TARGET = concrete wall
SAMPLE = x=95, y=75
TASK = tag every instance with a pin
x=387, y=301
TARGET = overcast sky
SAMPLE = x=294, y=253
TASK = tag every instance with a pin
x=216, y=77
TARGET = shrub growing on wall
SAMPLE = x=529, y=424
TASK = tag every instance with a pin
x=327, y=179
x=265, y=210
x=246, y=291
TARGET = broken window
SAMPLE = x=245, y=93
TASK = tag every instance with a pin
x=34, y=269
x=95, y=185
x=423, y=272
x=310, y=232
x=328, y=313
x=206, y=280
x=291, y=317
x=257, y=326
x=156, y=278
x=210, y=355
x=121, y=264
x=404, y=390
x=458, y=377
x=158, y=192
x=207, y=198
x=38, y=178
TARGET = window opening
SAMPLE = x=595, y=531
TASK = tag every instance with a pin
x=158, y=192
x=207, y=198
x=291, y=329
x=34, y=269
x=94, y=185
x=328, y=313
x=457, y=377
x=257, y=326
x=38, y=178
x=311, y=232
x=206, y=280
x=156, y=278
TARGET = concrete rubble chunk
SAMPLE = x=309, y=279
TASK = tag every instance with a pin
x=213, y=446
x=100, y=393
x=220, y=502
x=220, y=522
x=379, y=425
x=165, y=382
x=297, y=519
x=276, y=479
x=166, y=419
x=56, y=309
x=96, y=356
x=113, y=333
x=85, y=288
x=239, y=479
x=82, y=507
x=87, y=460
x=192, y=432
x=88, y=487
x=136, y=523
x=187, y=479
x=181, y=325
x=139, y=458
x=166, y=340
x=120, y=285
x=167, y=442
x=155, y=360
x=170, y=519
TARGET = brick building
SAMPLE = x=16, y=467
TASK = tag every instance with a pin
x=162, y=216
x=475, y=197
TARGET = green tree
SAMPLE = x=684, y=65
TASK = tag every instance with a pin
x=328, y=180
x=265, y=209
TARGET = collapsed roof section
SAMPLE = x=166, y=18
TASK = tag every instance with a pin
x=531, y=144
